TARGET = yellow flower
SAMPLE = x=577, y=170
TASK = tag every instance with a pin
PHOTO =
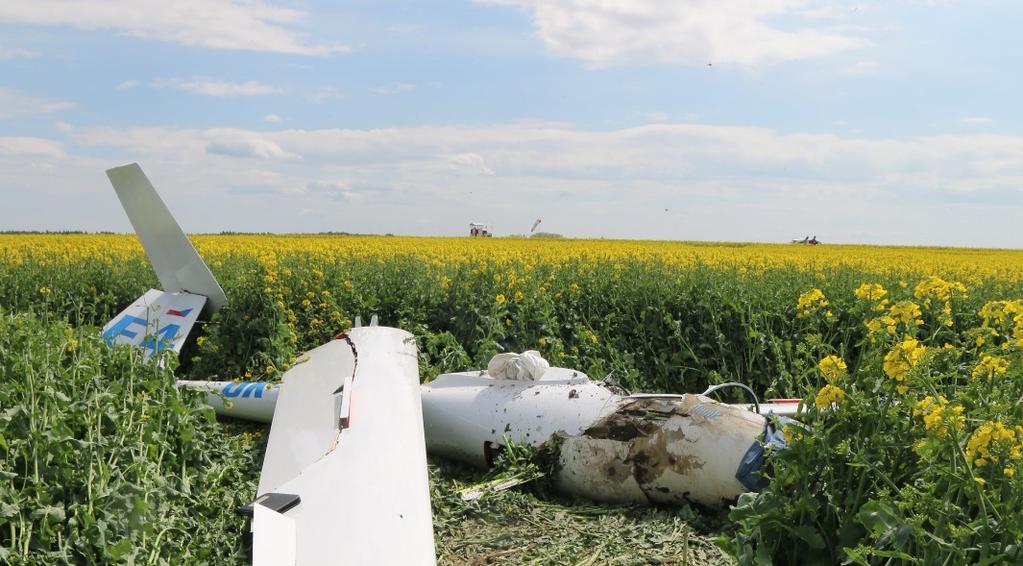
x=809, y=302
x=833, y=368
x=1002, y=317
x=993, y=441
x=870, y=292
x=906, y=312
x=882, y=323
x=518, y=296
x=829, y=395
x=500, y=299
x=990, y=366
x=938, y=415
x=792, y=433
x=902, y=358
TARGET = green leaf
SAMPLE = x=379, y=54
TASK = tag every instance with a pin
x=885, y=524
x=8, y=510
x=50, y=513
x=119, y=550
x=810, y=536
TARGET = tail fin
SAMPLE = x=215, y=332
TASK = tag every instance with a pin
x=178, y=266
x=156, y=321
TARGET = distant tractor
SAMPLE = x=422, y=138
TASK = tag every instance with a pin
x=477, y=230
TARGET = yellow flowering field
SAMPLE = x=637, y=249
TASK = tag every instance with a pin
x=908, y=359
x=963, y=264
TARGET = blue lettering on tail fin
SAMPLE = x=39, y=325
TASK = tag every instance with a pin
x=120, y=328
x=163, y=337
x=153, y=343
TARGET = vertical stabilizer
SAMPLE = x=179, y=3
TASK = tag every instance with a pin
x=156, y=321
x=178, y=266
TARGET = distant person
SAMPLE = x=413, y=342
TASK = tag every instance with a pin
x=813, y=241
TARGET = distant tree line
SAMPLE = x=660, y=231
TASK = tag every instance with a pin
x=53, y=232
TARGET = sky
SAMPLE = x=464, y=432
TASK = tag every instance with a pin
x=881, y=122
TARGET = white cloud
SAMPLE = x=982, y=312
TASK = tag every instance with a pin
x=977, y=120
x=687, y=32
x=216, y=87
x=127, y=85
x=29, y=147
x=655, y=116
x=324, y=94
x=252, y=25
x=393, y=88
x=862, y=68
x=656, y=153
x=15, y=53
x=471, y=162
x=720, y=182
x=272, y=119
x=16, y=105
x=239, y=143
x=336, y=190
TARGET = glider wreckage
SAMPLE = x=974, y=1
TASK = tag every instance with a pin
x=344, y=476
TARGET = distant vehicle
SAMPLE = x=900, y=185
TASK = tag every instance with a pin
x=477, y=230
x=811, y=241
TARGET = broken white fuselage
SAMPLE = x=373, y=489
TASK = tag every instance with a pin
x=609, y=447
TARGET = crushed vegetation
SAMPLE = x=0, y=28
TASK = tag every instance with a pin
x=531, y=524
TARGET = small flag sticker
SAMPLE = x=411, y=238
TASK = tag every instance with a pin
x=176, y=312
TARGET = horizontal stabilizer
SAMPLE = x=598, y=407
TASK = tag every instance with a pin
x=155, y=322
x=178, y=266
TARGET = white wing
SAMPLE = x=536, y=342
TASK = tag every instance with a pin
x=347, y=438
